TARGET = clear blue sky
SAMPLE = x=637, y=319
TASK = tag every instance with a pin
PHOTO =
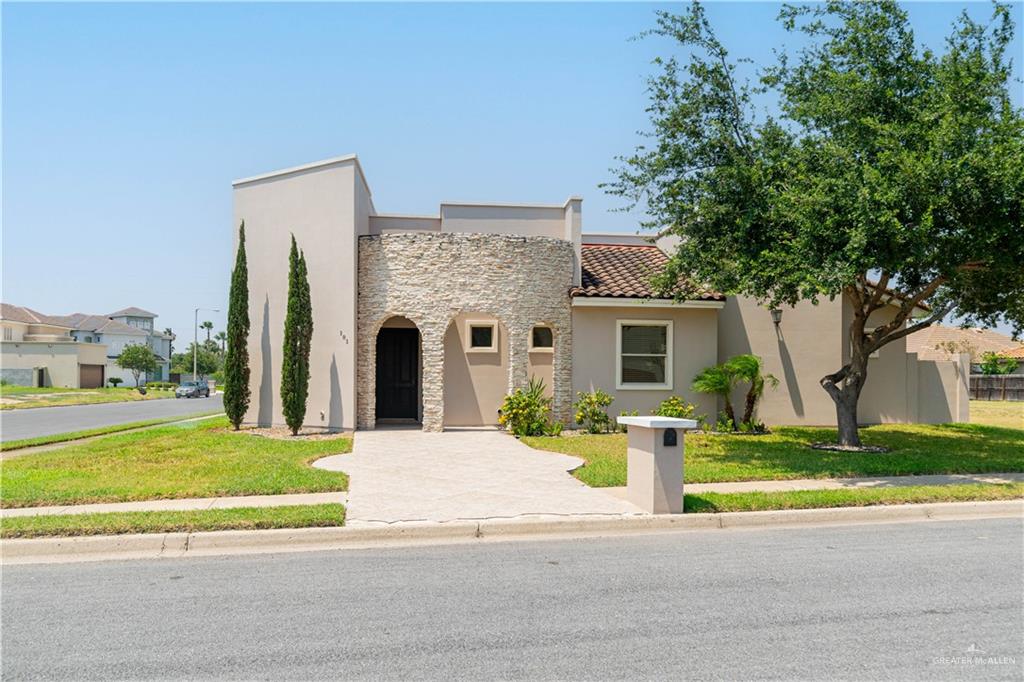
x=124, y=124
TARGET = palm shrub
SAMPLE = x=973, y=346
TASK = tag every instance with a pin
x=592, y=410
x=526, y=412
x=748, y=368
x=114, y=381
x=298, y=333
x=236, y=357
x=719, y=380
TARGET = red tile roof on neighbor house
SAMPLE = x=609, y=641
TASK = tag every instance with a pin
x=1017, y=353
x=624, y=271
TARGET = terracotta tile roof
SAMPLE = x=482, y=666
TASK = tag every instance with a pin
x=932, y=340
x=1017, y=352
x=624, y=271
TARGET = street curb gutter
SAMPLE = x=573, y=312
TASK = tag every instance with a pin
x=171, y=545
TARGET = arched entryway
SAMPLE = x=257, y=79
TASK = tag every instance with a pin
x=399, y=373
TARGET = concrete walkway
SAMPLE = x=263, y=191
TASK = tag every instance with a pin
x=408, y=475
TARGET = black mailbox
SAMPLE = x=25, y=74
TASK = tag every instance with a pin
x=669, y=439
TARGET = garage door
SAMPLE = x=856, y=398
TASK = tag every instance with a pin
x=90, y=376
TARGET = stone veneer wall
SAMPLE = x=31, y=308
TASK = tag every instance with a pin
x=429, y=278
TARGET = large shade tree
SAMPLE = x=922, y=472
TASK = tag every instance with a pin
x=863, y=167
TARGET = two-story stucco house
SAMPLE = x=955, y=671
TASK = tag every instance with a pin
x=435, y=318
x=78, y=350
x=122, y=328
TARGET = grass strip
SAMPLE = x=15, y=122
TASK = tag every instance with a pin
x=193, y=459
x=99, y=431
x=859, y=497
x=120, y=523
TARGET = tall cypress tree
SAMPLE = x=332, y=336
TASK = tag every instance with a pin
x=236, y=359
x=298, y=334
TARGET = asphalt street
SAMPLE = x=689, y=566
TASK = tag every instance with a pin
x=46, y=421
x=932, y=600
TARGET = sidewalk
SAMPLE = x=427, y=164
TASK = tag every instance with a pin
x=190, y=504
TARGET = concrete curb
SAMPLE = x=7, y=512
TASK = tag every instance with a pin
x=161, y=545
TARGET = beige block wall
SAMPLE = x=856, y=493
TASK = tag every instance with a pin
x=326, y=207
x=803, y=348
x=694, y=342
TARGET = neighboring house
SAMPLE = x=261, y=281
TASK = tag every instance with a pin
x=39, y=350
x=111, y=333
x=434, y=319
x=937, y=341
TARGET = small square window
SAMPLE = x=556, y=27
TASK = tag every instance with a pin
x=482, y=336
x=542, y=339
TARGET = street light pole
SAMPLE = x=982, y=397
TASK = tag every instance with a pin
x=195, y=342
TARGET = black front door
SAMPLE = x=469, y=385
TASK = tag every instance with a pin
x=398, y=352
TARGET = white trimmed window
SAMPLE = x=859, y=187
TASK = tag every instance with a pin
x=643, y=357
x=8, y=334
x=481, y=336
x=542, y=339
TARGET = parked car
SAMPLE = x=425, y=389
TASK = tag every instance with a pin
x=193, y=389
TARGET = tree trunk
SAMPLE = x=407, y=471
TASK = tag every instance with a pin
x=748, y=408
x=847, y=396
x=846, y=420
x=729, y=413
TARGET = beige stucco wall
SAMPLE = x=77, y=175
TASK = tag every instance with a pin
x=943, y=390
x=694, y=342
x=475, y=382
x=889, y=394
x=811, y=342
x=803, y=348
x=326, y=206
x=60, y=360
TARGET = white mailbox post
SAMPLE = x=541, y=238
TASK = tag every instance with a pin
x=654, y=463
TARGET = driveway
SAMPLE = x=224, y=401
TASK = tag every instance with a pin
x=408, y=475
x=46, y=421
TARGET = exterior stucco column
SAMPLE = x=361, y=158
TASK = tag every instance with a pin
x=432, y=338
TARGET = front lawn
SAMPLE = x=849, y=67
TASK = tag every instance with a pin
x=998, y=413
x=197, y=459
x=784, y=454
x=119, y=523
x=21, y=397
